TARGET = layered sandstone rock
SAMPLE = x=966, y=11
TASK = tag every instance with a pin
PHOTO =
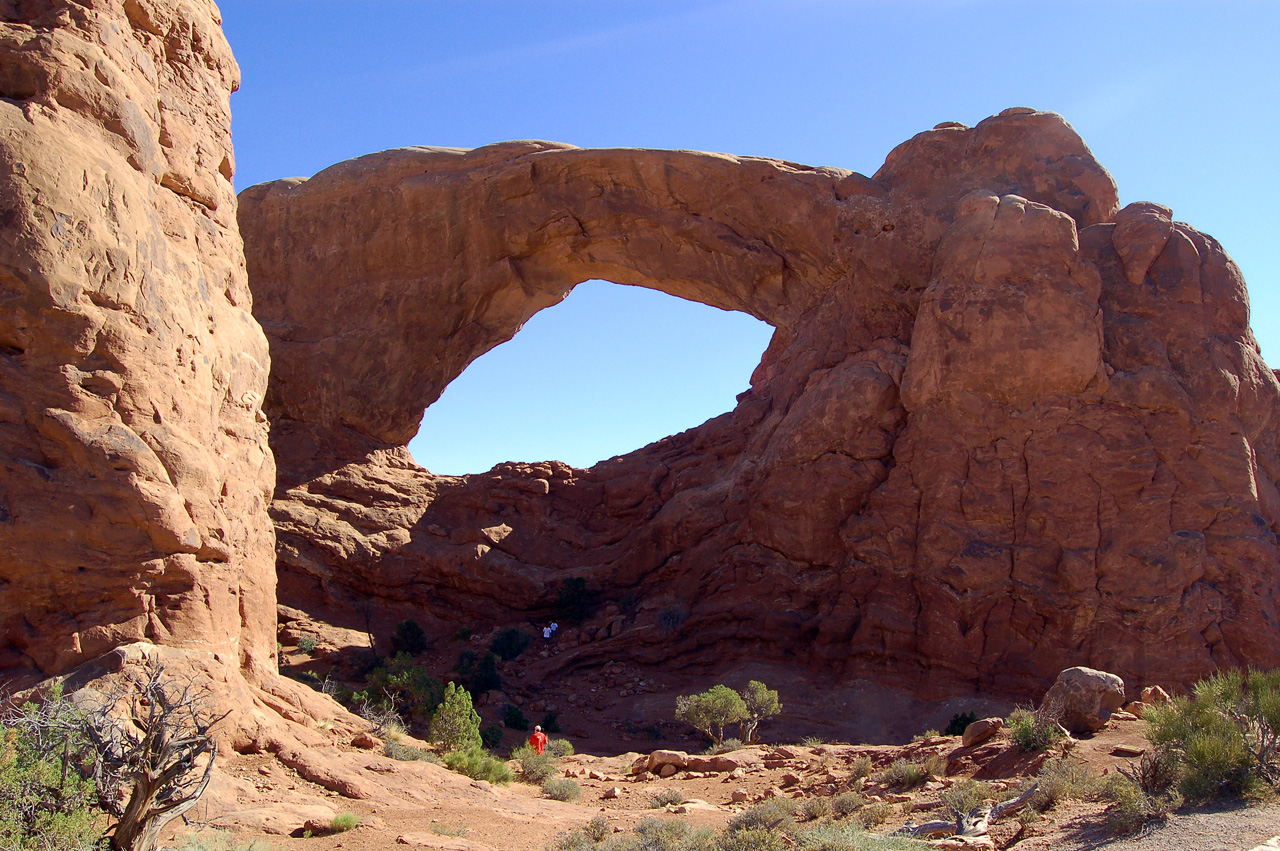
x=135, y=468
x=1003, y=427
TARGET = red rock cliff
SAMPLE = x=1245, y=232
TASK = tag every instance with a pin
x=135, y=467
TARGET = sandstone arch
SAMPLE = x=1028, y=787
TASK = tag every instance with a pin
x=963, y=461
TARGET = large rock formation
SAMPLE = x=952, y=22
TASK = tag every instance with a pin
x=1002, y=428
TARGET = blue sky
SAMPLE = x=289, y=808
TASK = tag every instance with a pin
x=1179, y=100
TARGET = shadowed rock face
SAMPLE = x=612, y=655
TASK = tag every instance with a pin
x=1003, y=428
x=134, y=466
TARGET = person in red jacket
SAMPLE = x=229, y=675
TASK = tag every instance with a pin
x=538, y=741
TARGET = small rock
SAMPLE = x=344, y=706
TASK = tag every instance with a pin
x=1154, y=694
x=739, y=795
x=773, y=792
x=667, y=770
x=594, y=775
x=1127, y=750
x=1121, y=715
x=365, y=741
x=659, y=758
x=785, y=753
x=790, y=779
x=737, y=774
x=611, y=793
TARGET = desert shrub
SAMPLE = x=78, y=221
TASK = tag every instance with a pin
x=775, y=814
x=463, y=633
x=343, y=822
x=560, y=789
x=559, y=747
x=456, y=724
x=490, y=736
x=760, y=702
x=860, y=767
x=45, y=802
x=408, y=753
x=550, y=722
x=873, y=815
x=666, y=798
x=485, y=677
x=1155, y=772
x=752, y=839
x=846, y=804
x=408, y=637
x=711, y=710
x=478, y=764
x=727, y=746
x=670, y=620
x=812, y=809
x=509, y=644
x=1130, y=808
x=935, y=765
x=813, y=741
x=307, y=644
x=902, y=774
x=466, y=664
x=847, y=837
x=534, y=767
x=959, y=723
x=213, y=839
x=965, y=794
x=449, y=830
x=1225, y=737
x=653, y=834
x=1032, y=732
x=513, y=718
x=574, y=600
x=1061, y=780
x=403, y=687
x=598, y=829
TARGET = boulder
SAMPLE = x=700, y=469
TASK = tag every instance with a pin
x=658, y=759
x=1154, y=694
x=979, y=731
x=1085, y=698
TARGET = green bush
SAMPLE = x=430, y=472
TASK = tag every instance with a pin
x=513, y=718
x=478, y=764
x=1031, y=732
x=408, y=753
x=873, y=815
x=1064, y=779
x=860, y=767
x=574, y=600
x=45, y=803
x=490, y=737
x=848, y=837
x=400, y=686
x=307, y=644
x=727, y=746
x=408, y=637
x=959, y=723
x=1225, y=737
x=846, y=804
x=550, y=722
x=343, y=822
x=965, y=794
x=456, y=724
x=560, y=789
x=485, y=677
x=662, y=835
x=775, y=814
x=903, y=774
x=812, y=809
x=1130, y=808
x=752, y=839
x=711, y=710
x=534, y=767
x=509, y=644
x=666, y=798
x=559, y=747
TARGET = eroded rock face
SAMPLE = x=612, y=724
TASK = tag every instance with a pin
x=1003, y=427
x=135, y=467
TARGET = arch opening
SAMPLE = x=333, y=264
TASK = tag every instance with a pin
x=609, y=369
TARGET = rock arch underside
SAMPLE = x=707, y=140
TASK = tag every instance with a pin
x=1003, y=426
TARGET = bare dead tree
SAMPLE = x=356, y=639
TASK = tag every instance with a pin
x=151, y=734
x=975, y=822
